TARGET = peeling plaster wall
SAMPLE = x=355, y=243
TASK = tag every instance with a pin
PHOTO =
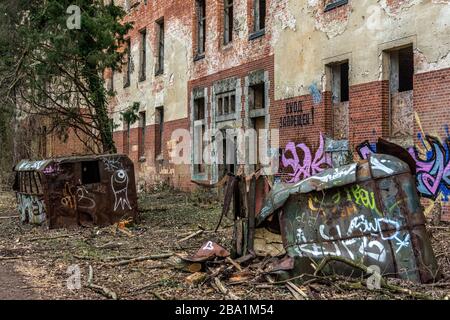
x=162, y=90
x=362, y=30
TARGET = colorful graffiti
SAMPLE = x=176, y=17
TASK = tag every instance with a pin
x=433, y=167
x=31, y=209
x=365, y=149
x=305, y=165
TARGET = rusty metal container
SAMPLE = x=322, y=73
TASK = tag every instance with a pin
x=89, y=190
x=368, y=212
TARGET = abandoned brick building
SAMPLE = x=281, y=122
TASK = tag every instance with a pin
x=317, y=71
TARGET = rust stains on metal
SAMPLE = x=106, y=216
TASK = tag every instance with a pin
x=71, y=191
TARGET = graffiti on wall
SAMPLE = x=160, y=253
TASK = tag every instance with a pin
x=302, y=162
x=433, y=167
x=31, y=209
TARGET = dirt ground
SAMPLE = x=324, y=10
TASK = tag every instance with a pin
x=36, y=263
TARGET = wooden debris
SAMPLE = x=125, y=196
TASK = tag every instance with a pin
x=196, y=278
x=193, y=235
x=296, y=291
x=235, y=264
x=9, y=217
x=102, y=290
x=50, y=238
x=222, y=289
x=143, y=258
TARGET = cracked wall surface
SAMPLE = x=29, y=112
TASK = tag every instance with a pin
x=360, y=30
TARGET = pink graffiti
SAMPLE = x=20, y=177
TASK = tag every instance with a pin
x=308, y=166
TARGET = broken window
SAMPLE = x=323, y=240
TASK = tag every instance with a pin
x=143, y=55
x=201, y=27
x=228, y=21
x=126, y=77
x=159, y=131
x=141, y=137
x=259, y=15
x=90, y=172
x=126, y=137
x=401, y=82
x=199, y=131
x=111, y=81
x=340, y=99
x=402, y=69
x=257, y=96
x=160, y=53
x=226, y=103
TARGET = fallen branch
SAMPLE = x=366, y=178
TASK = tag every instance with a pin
x=102, y=290
x=139, y=259
x=49, y=238
x=193, y=235
x=235, y=264
x=296, y=291
x=224, y=290
x=9, y=217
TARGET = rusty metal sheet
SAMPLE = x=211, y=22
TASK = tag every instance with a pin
x=72, y=191
x=208, y=251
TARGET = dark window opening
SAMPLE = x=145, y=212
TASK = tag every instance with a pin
x=405, y=69
x=126, y=78
x=143, y=55
x=228, y=21
x=199, y=109
x=344, y=82
x=142, y=125
x=199, y=165
x=201, y=27
x=257, y=96
x=90, y=172
x=226, y=103
x=259, y=18
x=160, y=131
x=160, y=53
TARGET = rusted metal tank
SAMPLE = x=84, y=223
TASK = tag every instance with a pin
x=88, y=190
x=368, y=212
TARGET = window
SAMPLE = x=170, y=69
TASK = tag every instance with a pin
x=405, y=69
x=259, y=18
x=228, y=21
x=226, y=103
x=126, y=78
x=111, y=81
x=160, y=53
x=90, y=172
x=143, y=55
x=344, y=82
x=199, y=131
x=340, y=82
x=201, y=27
x=126, y=137
x=141, y=137
x=159, y=131
x=257, y=97
x=332, y=4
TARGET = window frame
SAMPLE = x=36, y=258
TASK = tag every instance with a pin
x=143, y=55
x=228, y=21
x=159, y=68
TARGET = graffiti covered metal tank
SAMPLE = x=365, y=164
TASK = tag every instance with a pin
x=368, y=212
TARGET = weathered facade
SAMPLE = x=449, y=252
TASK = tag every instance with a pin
x=331, y=75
